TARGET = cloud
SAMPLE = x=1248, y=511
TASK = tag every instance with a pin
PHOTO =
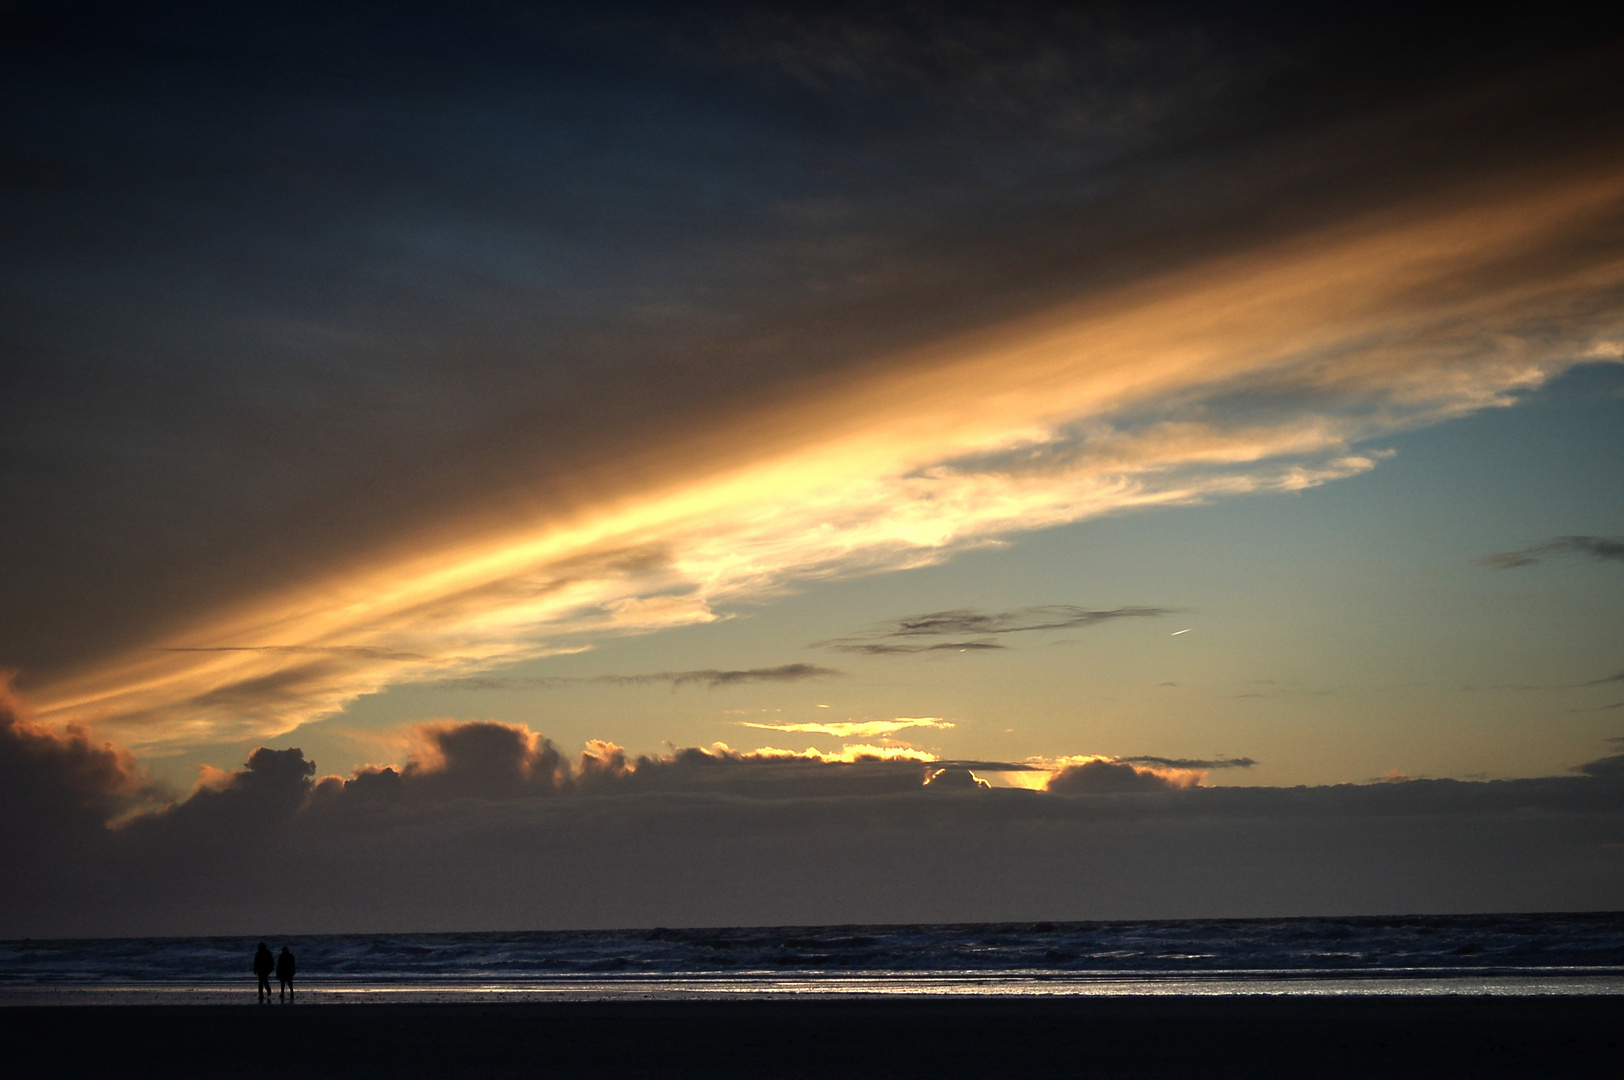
x=711, y=677
x=487, y=760
x=1101, y=406
x=545, y=397
x=955, y=778
x=1606, y=768
x=892, y=637
x=1050, y=617
x=238, y=808
x=970, y=64
x=492, y=761
x=1106, y=777
x=877, y=648
x=54, y=784
x=865, y=729
x=302, y=650
x=1191, y=763
x=488, y=826
x=1607, y=679
x=1096, y=774
x=1600, y=548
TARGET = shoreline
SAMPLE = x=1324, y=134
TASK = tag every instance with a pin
x=860, y=985
x=1377, y=1035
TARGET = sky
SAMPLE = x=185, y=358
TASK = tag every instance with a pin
x=518, y=467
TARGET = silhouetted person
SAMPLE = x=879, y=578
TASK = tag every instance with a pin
x=284, y=974
x=264, y=964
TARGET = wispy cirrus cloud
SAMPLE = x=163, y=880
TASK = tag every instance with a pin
x=1019, y=621
x=1599, y=548
x=901, y=635
x=881, y=648
x=711, y=677
x=364, y=651
x=1191, y=763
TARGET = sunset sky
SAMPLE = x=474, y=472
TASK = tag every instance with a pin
x=1137, y=402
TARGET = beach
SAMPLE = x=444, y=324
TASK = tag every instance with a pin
x=1372, y=1036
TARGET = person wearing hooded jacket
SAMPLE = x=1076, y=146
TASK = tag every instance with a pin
x=285, y=968
x=264, y=964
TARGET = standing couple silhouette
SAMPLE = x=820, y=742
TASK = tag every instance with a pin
x=265, y=963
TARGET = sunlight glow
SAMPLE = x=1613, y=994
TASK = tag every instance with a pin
x=1254, y=373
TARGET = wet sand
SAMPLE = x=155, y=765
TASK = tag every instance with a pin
x=874, y=1037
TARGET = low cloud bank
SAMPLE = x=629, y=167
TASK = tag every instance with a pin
x=490, y=826
x=492, y=761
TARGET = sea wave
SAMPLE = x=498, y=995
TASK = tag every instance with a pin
x=1442, y=947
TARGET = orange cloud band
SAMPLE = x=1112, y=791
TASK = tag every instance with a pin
x=1122, y=399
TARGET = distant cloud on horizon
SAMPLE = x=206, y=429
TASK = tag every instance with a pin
x=491, y=823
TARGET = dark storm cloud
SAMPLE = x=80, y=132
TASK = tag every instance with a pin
x=894, y=637
x=1600, y=548
x=711, y=677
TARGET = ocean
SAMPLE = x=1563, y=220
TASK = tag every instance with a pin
x=1450, y=954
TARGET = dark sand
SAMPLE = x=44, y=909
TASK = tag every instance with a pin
x=876, y=1037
